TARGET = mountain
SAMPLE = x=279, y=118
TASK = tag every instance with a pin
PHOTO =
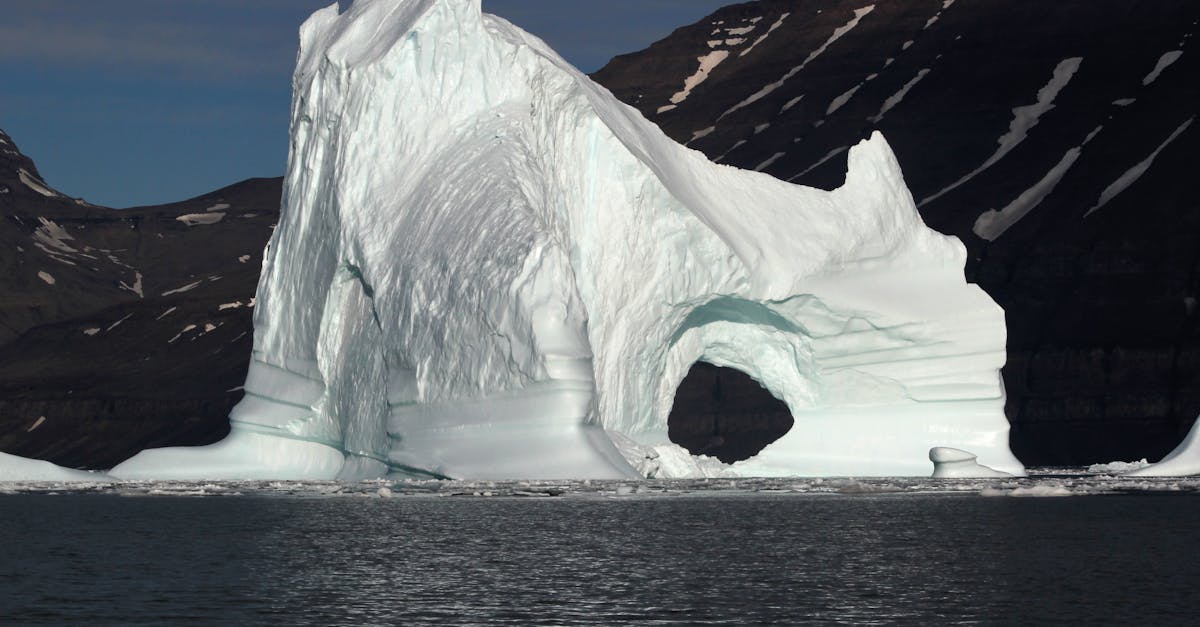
x=122, y=329
x=1054, y=138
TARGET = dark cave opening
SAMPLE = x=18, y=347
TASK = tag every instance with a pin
x=723, y=413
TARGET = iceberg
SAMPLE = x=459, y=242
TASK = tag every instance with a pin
x=489, y=267
x=16, y=468
x=952, y=463
x=1182, y=461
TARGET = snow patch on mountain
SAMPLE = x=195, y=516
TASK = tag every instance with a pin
x=33, y=183
x=1134, y=173
x=193, y=219
x=763, y=37
x=841, y=100
x=767, y=163
x=1164, y=62
x=1024, y=119
x=185, y=288
x=896, y=98
x=707, y=63
x=770, y=87
x=136, y=288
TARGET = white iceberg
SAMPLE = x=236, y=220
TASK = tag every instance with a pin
x=486, y=263
x=1183, y=461
x=952, y=463
x=16, y=468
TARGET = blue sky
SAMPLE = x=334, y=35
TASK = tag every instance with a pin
x=132, y=102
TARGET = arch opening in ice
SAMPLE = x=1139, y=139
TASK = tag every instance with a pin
x=724, y=413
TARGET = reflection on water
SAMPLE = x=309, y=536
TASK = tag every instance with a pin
x=731, y=559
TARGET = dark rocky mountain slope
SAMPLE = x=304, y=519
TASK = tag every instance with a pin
x=124, y=329
x=1054, y=138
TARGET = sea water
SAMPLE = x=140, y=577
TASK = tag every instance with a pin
x=700, y=552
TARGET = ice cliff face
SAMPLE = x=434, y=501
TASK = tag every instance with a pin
x=486, y=263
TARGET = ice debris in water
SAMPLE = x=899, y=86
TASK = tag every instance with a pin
x=486, y=264
x=954, y=463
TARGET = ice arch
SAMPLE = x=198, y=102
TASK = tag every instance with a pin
x=487, y=266
x=724, y=413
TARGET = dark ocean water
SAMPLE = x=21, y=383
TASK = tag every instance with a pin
x=720, y=559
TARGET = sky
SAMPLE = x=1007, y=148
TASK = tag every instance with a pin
x=136, y=102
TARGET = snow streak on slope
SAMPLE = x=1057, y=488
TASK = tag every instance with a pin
x=1024, y=118
x=34, y=184
x=766, y=164
x=842, y=99
x=1133, y=174
x=829, y=155
x=707, y=63
x=1163, y=62
x=895, y=98
x=762, y=37
x=992, y=224
x=837, y=34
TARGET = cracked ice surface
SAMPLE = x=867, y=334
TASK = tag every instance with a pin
x=486, y=264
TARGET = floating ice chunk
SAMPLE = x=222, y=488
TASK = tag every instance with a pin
x=91, y=331
x=46, y=276
x=952, y=463
x=221, y=206
x=1116, y=468
x=1183, y=461
x=1033, y=490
